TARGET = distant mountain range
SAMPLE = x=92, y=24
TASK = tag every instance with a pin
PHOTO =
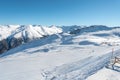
x=14, y=35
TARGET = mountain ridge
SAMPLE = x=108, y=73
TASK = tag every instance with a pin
x=20, y=34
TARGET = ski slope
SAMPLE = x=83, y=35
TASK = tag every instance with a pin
x=66, y=61
x=79, y=70
x=105, y=74
x=62, y=56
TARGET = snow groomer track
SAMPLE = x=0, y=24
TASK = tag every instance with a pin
x=79, y=70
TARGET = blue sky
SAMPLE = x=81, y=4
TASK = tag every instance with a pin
x=60, y=12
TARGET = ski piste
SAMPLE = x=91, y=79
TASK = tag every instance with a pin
x=80, y=71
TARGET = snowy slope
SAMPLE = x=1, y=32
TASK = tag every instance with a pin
x=62, y=56
x=105, y=74
x=32, y=60
x=6, y=30
x=14, y=35
x=17, y=31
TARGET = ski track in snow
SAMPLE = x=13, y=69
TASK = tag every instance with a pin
x=76, y=69
x=79, y=70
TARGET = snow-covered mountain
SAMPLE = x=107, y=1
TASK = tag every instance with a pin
x=58, y=53
x=12, y=36
x=15, y=35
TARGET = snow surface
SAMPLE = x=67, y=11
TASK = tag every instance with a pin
x=30, y=31
x=12, y=36
x=62, y=56
x=31, y=63
x=105, y=74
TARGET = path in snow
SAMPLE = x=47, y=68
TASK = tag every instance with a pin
x=79, y=70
